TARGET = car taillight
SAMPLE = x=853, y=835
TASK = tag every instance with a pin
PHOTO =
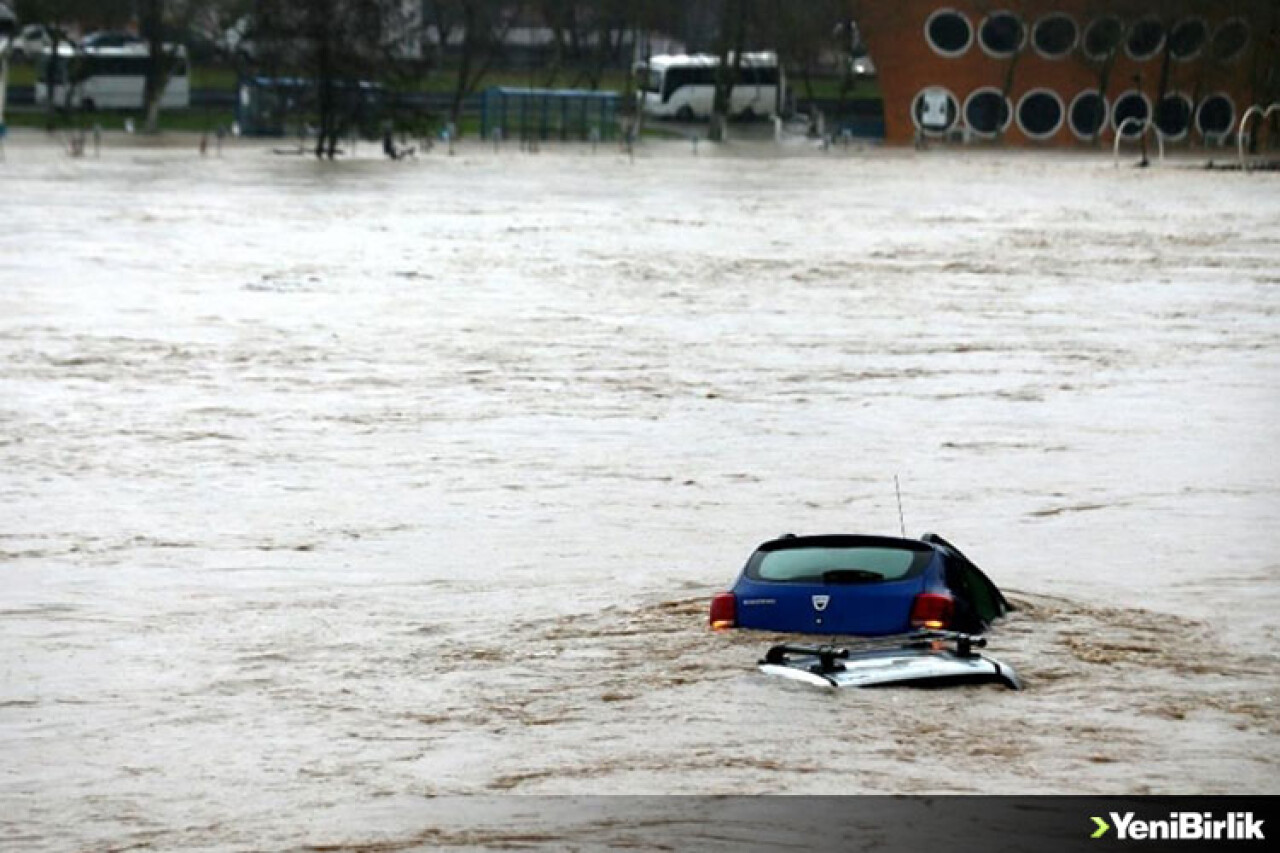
x=724, y=611
x=932, y=610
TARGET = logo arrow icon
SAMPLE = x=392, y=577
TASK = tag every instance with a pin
x=1103, y=826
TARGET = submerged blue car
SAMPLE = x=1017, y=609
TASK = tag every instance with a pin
x=859, y=586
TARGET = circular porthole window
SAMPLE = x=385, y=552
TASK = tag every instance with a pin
x=1188, y=38
x=1040, y=114
x=1230, y=40
x=1146, y=37
x=1216, y=115
x=1173, y=116
x=1131, y=105
x=935, y=110
x=1102, y=37
x=948, y=32
x=1002, y=34
x=987, y=112
x=1088, y=114
x=1055, y=36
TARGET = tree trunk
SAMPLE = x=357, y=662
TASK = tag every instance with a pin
x=735, y=22
x=632, y=90
x=482, y=41
x=469, y=39
x=51, y=78
x=73, y=73
x=1010, y=75
x=159, y=65
x=557, y=19
x=325, y=98
x=1162, y=88
x=609, y=36
x=1104, y=83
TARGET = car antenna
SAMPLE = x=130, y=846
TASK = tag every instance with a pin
x=901, y=523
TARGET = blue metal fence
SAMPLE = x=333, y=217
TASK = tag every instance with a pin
x=544, y=114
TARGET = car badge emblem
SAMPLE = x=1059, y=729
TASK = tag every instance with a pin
x=820, y=602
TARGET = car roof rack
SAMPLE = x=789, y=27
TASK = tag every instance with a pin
x=829, y=656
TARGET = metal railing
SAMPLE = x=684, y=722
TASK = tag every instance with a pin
x=1146, y=127
x=1256, y=109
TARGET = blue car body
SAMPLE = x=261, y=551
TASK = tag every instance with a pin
x=857, y=585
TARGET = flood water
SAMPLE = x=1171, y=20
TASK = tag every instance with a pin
x=330, y=487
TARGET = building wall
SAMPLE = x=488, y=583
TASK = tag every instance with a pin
x=1195, y=92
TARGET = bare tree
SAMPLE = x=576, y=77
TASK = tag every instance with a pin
x=8, y=30
x=1266, y=76
x=164, y=26
x=804, y=32
x=589, y=36
x=609, y=27
x=56, y=16
x=562, y=19
x=734, y=22
x=1020, y=25
x=1108, y=42
x=156, y=20
x=337, y=43
x=644, y=19
x=484, y=26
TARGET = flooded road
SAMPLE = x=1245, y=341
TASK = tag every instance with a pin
x=327, y=488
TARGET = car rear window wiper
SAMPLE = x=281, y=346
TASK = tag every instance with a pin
x=850, y=576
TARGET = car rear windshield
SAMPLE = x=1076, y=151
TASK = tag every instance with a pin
x=839, y=564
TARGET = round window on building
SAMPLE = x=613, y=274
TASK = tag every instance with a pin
x=1055, y=36
x=1188, y=38
x=1131, y=105
x=1230, y=40
x=1102, y=37
x=948, y=32
x=987, y=112
x=1146, y=37
x=1173, y=116
x=1040, y=114
x=934, y=110
x=1216, y=115
x=1002, y=34
x=1088, y=114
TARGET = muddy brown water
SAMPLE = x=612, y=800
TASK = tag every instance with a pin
x=328, y=488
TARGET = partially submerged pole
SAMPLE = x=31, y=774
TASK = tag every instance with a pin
x=1254, y=110
x=1145, y=127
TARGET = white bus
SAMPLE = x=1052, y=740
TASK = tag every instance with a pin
x=684, y=86
x=111, y=78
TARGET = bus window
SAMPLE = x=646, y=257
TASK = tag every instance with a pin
x=673, y=80
x=697, y=75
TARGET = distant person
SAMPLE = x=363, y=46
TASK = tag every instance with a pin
x=390, y=148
